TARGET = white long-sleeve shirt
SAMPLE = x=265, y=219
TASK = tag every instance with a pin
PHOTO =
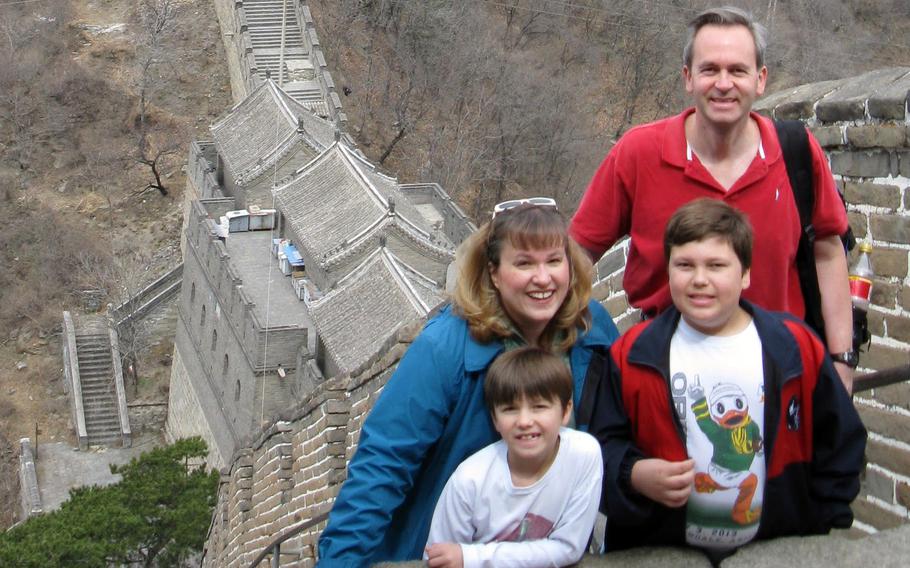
x=545, y=524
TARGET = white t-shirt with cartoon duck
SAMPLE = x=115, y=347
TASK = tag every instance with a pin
x=717, y=385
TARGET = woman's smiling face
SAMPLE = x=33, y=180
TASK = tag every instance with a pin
x=532, y=285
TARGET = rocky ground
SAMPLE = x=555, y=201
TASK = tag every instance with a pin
x=67, y=202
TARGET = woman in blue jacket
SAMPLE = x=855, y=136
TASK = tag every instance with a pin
x=522, y=281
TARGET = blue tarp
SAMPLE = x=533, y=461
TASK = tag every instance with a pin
x=293, y=256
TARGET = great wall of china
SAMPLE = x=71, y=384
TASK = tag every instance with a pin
x=279, y=476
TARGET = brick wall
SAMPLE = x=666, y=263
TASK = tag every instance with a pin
x=291, y=473
x=862, y=124
x=222, y=381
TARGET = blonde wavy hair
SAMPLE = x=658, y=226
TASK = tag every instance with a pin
x=525, y=227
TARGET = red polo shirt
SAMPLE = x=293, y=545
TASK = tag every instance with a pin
x=647, y=176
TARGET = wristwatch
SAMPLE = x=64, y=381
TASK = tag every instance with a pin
x=849, y=358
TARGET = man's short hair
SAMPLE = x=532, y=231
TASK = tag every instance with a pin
x=727, y=16
x=527, y=372
x=706, y=217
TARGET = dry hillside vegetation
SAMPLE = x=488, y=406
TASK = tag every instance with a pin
x=494, y=99
x=74, y=196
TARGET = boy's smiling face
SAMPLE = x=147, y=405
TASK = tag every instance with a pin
x=706, y=282
x=530, y=429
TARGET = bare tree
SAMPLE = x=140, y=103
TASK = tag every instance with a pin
x=155, y=144
x=121, y=274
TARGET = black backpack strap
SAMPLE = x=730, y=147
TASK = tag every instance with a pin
x=794, y=143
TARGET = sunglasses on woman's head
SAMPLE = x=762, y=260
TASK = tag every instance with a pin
x=513, y=203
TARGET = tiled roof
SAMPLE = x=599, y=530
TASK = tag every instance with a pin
x=336, y=200
x=379, y=295
x=265, y=127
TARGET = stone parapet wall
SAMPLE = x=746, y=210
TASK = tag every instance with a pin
x=317, y=57
x=193, y=409
x=862, y=124
x=293, y=470
x=242, y=66
x=218, y=283
x=72, y=383
x=147, y=416
x=30, y=496
x=457, y=226
x=236, y=46
x=200, y=170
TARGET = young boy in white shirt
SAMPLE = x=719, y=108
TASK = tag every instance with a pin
x=722, y=422
x=529, y=499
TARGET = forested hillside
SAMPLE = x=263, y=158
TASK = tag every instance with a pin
x=98, y=101
x=496, y=98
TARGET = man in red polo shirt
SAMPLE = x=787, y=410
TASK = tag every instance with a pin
x=720, y=149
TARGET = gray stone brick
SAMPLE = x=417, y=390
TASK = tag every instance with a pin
x=889, y=262
x=616, y=282
x=796, y=103
x=890, y=102
x=858, y=222
x=876, y=323
x=884, y=294
x=888, y=424
x=828, y=136
x=867, y=163
x=600, y=291
x=335, y=435
x=337, y=407
x=877, y=135
x=624, y=323
x=888, y=457
x=874, y=515
x=840, y=110
x=849, y=101
x=336, y=420
x=898, y=327
x=903, y=494
x=894, y=395
x=881, y=357
x=879, y=195
x=879, y=485
x=891, y=228
x=904, y=164
x=616, y=306
x=905, y=297
x=611, y=262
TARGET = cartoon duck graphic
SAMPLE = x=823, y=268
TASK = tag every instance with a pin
x=736, y=438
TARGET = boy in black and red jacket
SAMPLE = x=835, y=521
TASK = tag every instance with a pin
x=721, y=422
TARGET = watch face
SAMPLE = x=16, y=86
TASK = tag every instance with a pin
x=850, y=358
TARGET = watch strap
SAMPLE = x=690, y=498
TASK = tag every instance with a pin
x=849, y=358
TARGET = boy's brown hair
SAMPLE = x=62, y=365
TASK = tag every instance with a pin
x=706, y=217
x=527, y=372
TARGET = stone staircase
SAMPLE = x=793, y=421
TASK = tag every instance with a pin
x=99, y=398
x=264, y=19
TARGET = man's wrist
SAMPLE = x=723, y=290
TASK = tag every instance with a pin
x=849, y=358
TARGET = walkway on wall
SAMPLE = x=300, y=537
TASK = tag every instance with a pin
x=96, y=373
x=296, y=76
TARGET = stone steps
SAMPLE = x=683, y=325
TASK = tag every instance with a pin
x=99, y=403
x=263, y=19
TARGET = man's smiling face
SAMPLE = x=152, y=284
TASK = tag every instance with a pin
x=724, y=79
